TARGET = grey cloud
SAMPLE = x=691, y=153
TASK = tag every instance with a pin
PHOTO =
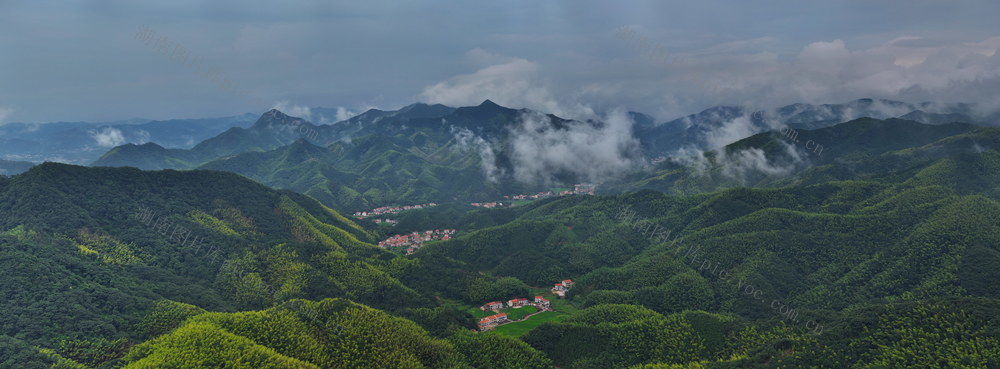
x=920, y=42
x=559, y=56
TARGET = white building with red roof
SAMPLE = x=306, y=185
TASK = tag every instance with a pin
x=542, y=303
x=518, y=302
x=492, y=321
x=559, y=289
x=492, y=305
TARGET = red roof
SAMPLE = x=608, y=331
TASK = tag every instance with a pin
x=568, y=280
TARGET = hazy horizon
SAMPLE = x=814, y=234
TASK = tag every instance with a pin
x=117, y=60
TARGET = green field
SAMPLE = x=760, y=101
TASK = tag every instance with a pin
x=520, y=328
x=478, y=314
x=512, y=314
x=518, y=314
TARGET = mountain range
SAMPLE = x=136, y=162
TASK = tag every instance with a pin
x=434, y=153
x=855, y=256
x=84, y=142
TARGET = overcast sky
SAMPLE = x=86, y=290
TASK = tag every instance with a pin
x=109, y=60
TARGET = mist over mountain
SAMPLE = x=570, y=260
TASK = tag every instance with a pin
x=718, y=126
x=82, y=142
x=434, y=153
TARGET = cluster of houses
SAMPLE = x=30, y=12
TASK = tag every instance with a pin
x=560, y=289
x=488, y=205
x=391, y=210
x=578, y=189
x=492, y=321
x=540, y=195
x=413, y=241
x=386, y=221
x=658, y=160
x=584, y=189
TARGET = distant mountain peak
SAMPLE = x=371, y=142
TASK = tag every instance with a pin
x=422, y=110
x=274, y=114
x=489, y=104
x=150, y=144
x=275, y=117
x=414, y=105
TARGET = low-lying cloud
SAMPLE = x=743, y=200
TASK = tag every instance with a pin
x=344, y=114
x=468, y=141
x=589, y=152
x=108, y=137
x=541, y=153
x=741, y=166
x=516, y=83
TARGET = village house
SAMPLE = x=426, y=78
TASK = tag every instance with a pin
x=492, y=321
x=584, y=189
x=542, y=304
x=493, y=305
x=518, y=302
x=559, y=290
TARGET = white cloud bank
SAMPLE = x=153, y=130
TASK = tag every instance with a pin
x=908, y=69
x=592, y=153
x=517, y=83
x=540, y=153
x=108, y=137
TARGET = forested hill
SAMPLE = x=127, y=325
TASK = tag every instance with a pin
x=899, y=249
x=873, y=268
x=86, y=254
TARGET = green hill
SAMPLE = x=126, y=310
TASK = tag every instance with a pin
x=837, y=274
x=858, y=260
x=86, y=252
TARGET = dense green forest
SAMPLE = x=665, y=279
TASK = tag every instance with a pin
x=884, y=257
